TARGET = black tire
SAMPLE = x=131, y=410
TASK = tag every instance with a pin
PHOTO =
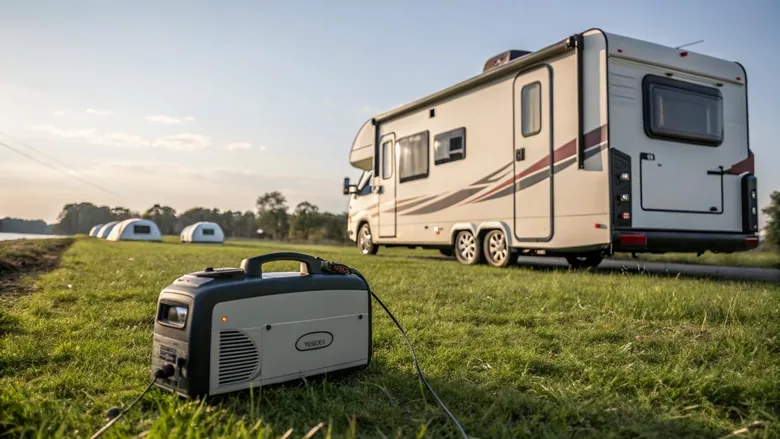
x=446, y=252
x=585, y=260
x=497, y=252
x=467, y=249
x=364, y=244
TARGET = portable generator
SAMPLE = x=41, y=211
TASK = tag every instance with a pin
x=227, y=329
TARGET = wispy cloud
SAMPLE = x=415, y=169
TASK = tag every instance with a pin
x=169, y=120
x=263, y=148
x=96, y=137
x=58, y=113
x=240, y=145
x=182, y=142
x=176, y=142
x=99, y=112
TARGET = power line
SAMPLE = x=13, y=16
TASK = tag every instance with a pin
x=37, y=150
x=40, y=162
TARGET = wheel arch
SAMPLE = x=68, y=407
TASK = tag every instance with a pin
x=459, y=227
x=487, y=226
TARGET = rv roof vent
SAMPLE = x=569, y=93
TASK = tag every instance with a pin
x=503, y=58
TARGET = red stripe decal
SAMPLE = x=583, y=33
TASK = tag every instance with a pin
x=592, y=138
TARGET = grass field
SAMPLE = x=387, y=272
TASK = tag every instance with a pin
x=754, y=258
x=514, y=353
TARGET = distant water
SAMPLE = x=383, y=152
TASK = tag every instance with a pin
x=12, y=236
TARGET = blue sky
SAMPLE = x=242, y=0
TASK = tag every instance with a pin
x=207, y=103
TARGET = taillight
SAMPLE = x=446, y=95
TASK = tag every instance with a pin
x=633, y=239
x=751, y=241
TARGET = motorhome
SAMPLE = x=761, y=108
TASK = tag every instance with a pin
x=596, y=144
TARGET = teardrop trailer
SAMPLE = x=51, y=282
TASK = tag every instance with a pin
x=596, y=144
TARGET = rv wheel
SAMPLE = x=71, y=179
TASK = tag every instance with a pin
x=467, y=248
x=586, y=260
x=497, y=252
x=364, y=241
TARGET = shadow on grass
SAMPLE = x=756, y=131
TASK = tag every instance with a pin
x=640, y=268
x=387, y=402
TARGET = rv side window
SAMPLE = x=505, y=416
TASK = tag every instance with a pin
x=532, y=109
x=208, y=232
x=413, y=161
x=387, y=160
x=682, y=112
x=142, y=230
x=449, y=146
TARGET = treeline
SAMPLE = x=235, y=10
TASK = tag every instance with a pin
x=272, y=216
x=17, y=225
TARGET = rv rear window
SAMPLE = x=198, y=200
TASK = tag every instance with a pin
x=142, y=230
x=449, y=146
x=682, y=112
x=413, y=160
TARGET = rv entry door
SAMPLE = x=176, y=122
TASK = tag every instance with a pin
x=533, y=157
x=386, y=186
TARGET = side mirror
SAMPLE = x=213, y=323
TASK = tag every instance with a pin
x=349, y=188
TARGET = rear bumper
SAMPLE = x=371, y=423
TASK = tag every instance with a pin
x=654, y=241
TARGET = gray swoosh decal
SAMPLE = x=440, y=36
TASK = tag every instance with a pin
x=416, y=203
x=494, y=176
x=446, y=201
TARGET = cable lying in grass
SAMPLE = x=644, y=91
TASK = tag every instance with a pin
x=306, y=311
x=343, y=269
x=113, y=416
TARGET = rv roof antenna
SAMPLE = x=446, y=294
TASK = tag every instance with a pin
x=690, y=44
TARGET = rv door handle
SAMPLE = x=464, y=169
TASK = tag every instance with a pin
x=520, y=154
x=378, y=189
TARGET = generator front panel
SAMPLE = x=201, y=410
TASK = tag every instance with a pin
x=279, y=337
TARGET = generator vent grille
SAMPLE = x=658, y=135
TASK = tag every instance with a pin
x=238, y=357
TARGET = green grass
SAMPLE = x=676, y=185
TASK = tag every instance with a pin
x=753, y=258
x=514, y=353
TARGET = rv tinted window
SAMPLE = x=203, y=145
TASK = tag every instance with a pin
x=208, y=232
x=364, y=186
x=532, y=109
x=449, y=146
x=682, y=112
x=413, y=160
x=387, y=160
x=142, y=230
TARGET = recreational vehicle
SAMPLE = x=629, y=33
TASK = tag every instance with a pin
x=596, y=144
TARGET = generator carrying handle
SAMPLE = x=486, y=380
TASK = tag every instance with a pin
x=253, y=267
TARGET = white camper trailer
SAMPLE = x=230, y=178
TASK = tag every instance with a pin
x=596, y=144
x=106, y=229
x=135, y=229
x=203, y=232
x=94, y=230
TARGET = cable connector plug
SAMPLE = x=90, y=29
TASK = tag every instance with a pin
x=164, y=372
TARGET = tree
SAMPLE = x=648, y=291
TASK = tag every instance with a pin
x=122, y=213
x=272, y=214
x=306, y=218
x=81, y=217
x=163, y=216
x=773, y=223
